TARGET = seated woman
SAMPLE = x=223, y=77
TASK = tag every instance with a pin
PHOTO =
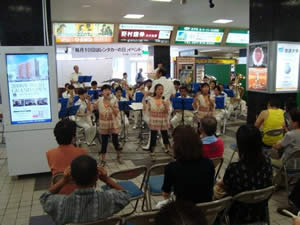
x=83, y=116
x=191, y=176
x=61, y=157
x=253, y=171
x=271, y=119
x=290, y=140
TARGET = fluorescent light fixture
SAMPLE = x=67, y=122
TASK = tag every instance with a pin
x=210, y=50
x=223, y=21
x=86, y=6
x=161, y=0
x=133, y=16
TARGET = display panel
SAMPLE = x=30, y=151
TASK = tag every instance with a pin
x=145, y=33
x=83, y=32
x=28, y=88
x=287, y=67
x=238, y=37
x=258, y=67
x=198, y=35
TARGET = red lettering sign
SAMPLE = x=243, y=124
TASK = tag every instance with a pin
x=139, y=34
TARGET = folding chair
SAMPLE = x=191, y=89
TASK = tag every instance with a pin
x=108, y=221
x=291, y=167
x=125, y=177
x=153, y=184
x=256, y=196
x=235, y=150
x=141, y=219
x=212, y=209
x=218, y=162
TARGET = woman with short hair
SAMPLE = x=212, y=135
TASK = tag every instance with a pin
x=191, y=176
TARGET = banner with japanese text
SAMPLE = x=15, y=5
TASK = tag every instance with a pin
x=107, y=51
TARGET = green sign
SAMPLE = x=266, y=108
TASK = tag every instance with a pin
x=238, y=37
x=199, y=35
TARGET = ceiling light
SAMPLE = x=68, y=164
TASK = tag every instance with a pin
x=223, y=21
x=161, y=0
x=86, y=6
x=210, y=50
x=133, y=16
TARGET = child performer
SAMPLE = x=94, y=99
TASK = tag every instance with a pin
x=109, y=122
x=203, y=104
x=158, y=118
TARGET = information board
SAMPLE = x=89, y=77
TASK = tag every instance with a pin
x=199, y=35
x=287, y=67
x=28, y=88
x=83, y=32
x=139, y=33
x=258, y=67
x=238, y=37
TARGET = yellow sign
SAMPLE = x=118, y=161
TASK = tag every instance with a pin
x=216, y=61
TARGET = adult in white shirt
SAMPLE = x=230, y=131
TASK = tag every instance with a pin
x=159, y=66
x=74, y=77
x=169, y=89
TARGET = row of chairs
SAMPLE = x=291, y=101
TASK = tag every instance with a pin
x=211, y=210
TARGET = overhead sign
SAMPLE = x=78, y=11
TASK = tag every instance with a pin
x=107, y=51
x=83, y=32
x=145, y=33
x=199, y=35
x=238, y=37
x=287, y=67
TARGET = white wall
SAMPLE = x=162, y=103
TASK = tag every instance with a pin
x=100, y=69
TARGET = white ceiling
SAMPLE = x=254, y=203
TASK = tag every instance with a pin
x=195, y=12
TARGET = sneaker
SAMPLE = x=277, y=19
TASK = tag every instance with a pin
x=102, y=163
x=146, y=148
x=293, y=210
x=119, y=148
x=120, y=161
x=134, y=127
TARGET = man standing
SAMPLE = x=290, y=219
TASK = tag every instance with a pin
x=125, y=76
x=159, y=66
x=74, y=77
x=139, y=77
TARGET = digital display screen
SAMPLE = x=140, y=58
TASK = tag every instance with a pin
x=258, y=67
x=139, y=33
x=287, y=67
x=198, y=35
x=28, y=88
x=238, y=37
x=83, y=32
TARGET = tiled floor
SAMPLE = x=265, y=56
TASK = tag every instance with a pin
x=19, y=197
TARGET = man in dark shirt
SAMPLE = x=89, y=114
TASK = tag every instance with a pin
x=85, y=204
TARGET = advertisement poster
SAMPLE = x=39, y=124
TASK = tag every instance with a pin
x=198, y=35
x=238, y=38
x=28, y=88
x=83, y=32
x=139, y=33
x=258, y=68
x=287, y=67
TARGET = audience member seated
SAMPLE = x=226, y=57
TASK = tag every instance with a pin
x=180, y=213
x=271, y=119
x=290, y=140
x=253, y=171
x=213, y=147
x=61, y=157
x=290, y=106
x=191, y=176
x=85, y=204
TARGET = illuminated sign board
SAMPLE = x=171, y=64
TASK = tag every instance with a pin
x=199, y=35
x=83, y=32
x=145, y=33
x=238, y=37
